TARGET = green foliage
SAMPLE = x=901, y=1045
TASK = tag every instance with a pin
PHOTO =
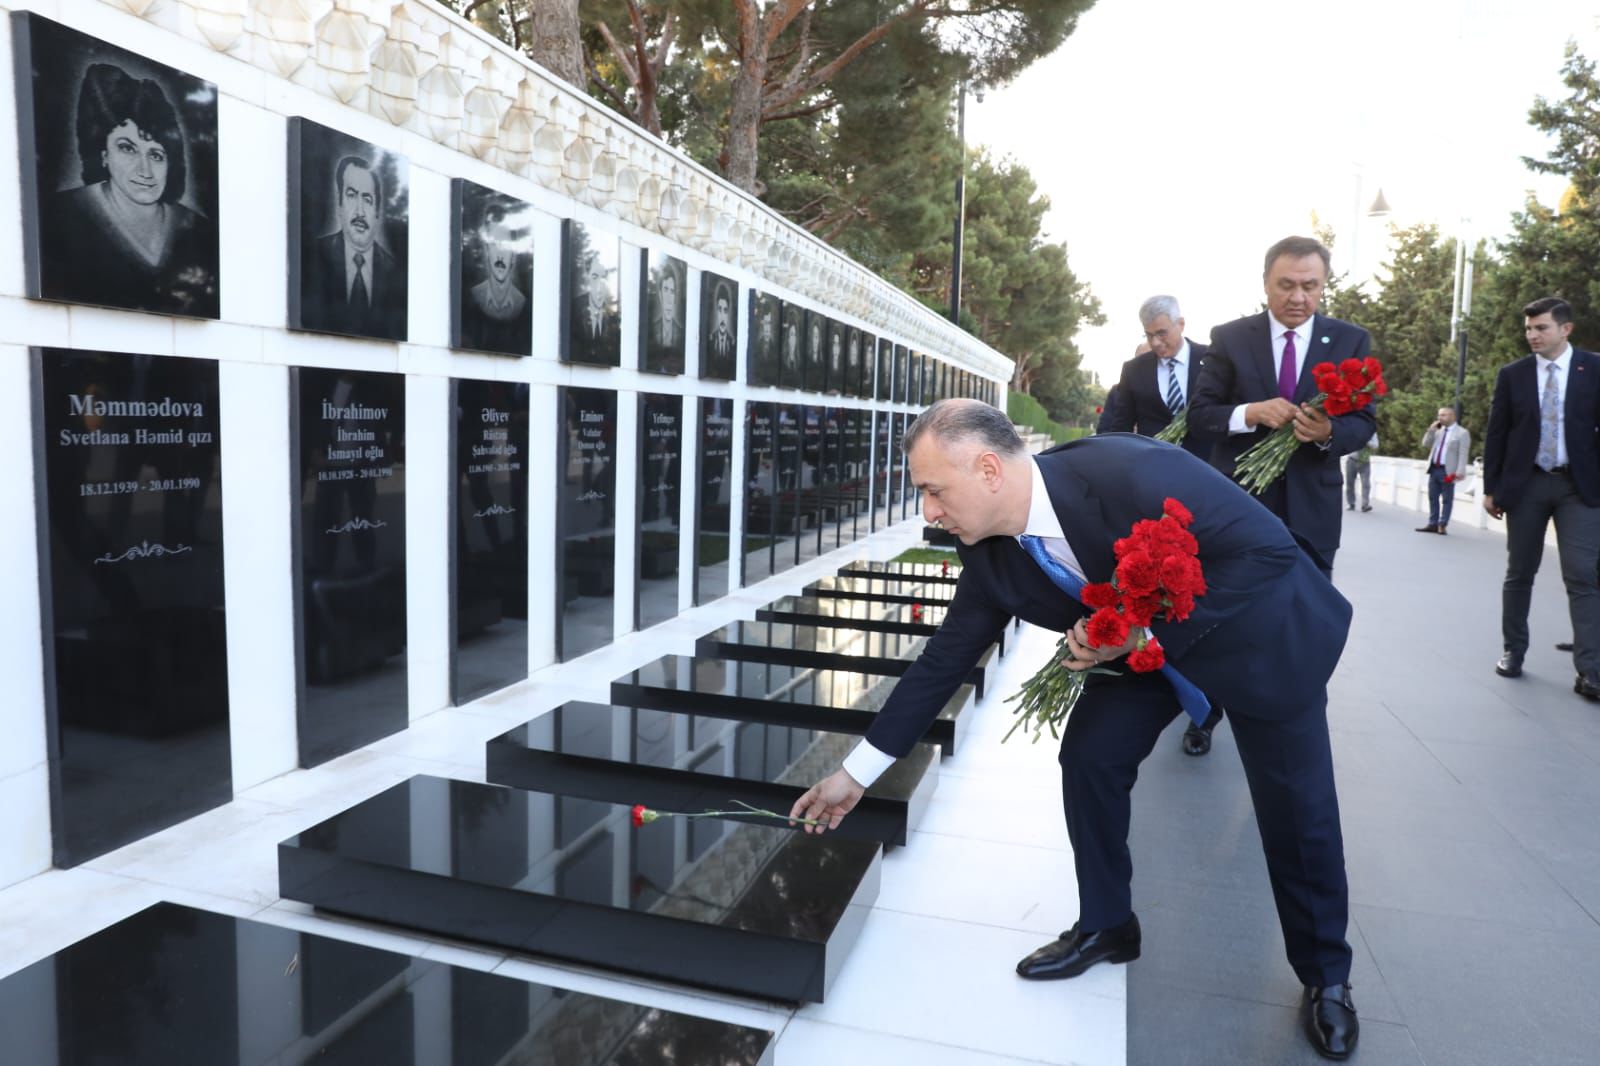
x=1024, y=410
x=929, y=555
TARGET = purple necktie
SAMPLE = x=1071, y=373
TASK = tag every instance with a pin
x=1286, y=371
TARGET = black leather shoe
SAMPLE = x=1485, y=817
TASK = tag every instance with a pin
x=1196, y=741
x=1075, y=952
x=1565, y=645
x=1587, y=685
x=1427, y=529
x=1366, y=507
x=1331, y=1022
x=1510, y=665
x=1440, y=531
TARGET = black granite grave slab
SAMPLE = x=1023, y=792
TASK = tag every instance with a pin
x=129, y=473
x=902, y=573
x=832, y=647
x=350, y=555
x=866, y=588
x=870, y=615
x=586, y=513
x=840, y=701
x=489, y=538
x=660, y=528
x=683, y=762
x=712, y=557
x=172, y=985
x=763, y=519
x=755, y=910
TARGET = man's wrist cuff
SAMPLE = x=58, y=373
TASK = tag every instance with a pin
x=866, y=764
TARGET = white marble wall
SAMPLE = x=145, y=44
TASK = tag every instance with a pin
x=409, y=78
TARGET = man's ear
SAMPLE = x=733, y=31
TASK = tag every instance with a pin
x=991, y=469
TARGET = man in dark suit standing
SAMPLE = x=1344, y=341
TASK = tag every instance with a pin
x=1540, y=461
x=1264, y=639
x=1257, y=377
x=1156, y=385
x=352, y=284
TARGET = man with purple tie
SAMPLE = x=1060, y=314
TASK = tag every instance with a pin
x=1257, y=377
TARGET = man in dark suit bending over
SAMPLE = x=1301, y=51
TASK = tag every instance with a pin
x=1257, y=377
x=1263, y=640
x=1541, y=462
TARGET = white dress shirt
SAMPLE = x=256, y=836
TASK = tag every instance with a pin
x=1563, y=363
x=1166, y=368
x=867, y=763
x=1302, y=351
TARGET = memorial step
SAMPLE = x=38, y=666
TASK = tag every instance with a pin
x=873, y=589
x=172, y=984
x=839, y=701
x=902, y=572
x=875, y=617
x=684, y=762
x=752, y=910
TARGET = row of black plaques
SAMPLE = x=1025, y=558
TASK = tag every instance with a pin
x=129, y=451
x=120, y=191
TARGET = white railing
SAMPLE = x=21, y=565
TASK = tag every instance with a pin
x=419, y=66
x=1404, y=483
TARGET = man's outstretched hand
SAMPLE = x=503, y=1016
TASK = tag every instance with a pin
x=828, y=801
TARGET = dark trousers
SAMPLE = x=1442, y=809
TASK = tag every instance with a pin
x=1553, y=496
x=1289, y=768
x=1357, y=468
x=1441, y=496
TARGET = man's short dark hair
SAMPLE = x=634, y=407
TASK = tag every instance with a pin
x=1558, y=309
x=959, y=419
x=365, y=164
x=1298, y=248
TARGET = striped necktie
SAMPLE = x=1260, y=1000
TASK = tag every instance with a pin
x=1174, y=392
x=1190, y=698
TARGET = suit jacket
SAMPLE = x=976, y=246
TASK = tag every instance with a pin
x=1108, y=411
x=1239, y=369
x=1511, y=442
x=1262, y=641
x=1456, y=449
x=1142, y=405
x=325, y=295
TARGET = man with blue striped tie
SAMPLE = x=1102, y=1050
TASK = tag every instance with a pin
x=1263, y=640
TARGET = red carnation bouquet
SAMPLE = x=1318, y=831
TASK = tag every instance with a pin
x=1350, y=386
x=1157, y=577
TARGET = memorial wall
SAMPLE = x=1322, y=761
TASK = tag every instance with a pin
x=357, y=369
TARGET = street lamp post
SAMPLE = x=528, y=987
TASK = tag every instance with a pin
x=961, y=203
x=1461, y=307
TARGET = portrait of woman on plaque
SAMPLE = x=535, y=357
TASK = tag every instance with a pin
x=120, y=195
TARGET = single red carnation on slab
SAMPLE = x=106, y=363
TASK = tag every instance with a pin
x=639, y=811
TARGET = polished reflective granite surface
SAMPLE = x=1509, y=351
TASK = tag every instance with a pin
x=685, y=762
x=833, y=647
x=901, y=572
x=753, y=909
x=861, y=614
x=841, y=701
x=850, y=587
x=171, y=986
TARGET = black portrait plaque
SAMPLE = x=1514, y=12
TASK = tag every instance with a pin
x=814, y=353
x=897, y=468
x=880, y=469
x=791, y=521
x=660, y=528
x=902, y=364
x=858, y=467
x=591, y=276
x=761, y=517
x=855, y=362
x=885, y=371
x=491, y=276
x=489, y=486
x=135, y=642
x=666, y=300
x=791, y=365
x=349, y=212
x=812, y=512
x=835, y=362
x=712, y=494
x=119, y=175
x=928, y=367
x=719, y=327
x=586, y=511
x=766, y=338
x=350, y=551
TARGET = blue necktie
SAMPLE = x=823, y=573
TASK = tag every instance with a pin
x=1193, y=701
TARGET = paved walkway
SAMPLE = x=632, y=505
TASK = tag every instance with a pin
x=1471, y=808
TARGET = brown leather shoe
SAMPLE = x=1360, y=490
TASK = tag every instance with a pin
x=1331, y=1023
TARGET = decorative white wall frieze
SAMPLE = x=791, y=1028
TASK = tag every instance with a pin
x=421, y=67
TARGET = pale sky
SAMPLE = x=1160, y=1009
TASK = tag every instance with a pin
x=1177, y=140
